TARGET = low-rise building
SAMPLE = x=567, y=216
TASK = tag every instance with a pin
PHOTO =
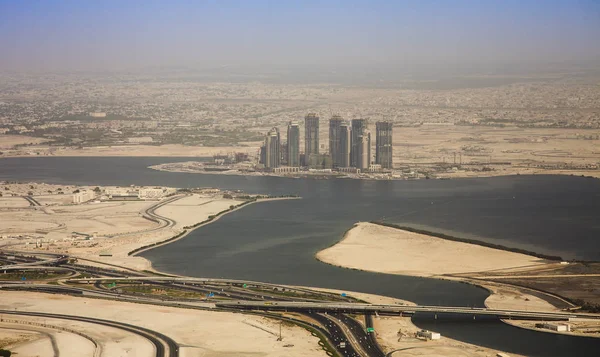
x=559, y=327
x=83, y=196
x=428, y=335
x=140, y=140
x=285, y=169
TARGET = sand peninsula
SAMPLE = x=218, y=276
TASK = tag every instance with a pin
x=104, y=232
x=388, y=249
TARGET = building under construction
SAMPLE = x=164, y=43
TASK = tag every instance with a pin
x=383, y=145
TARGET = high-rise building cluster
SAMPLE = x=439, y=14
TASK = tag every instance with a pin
x=349, y=145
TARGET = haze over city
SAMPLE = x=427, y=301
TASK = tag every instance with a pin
x=136, y=35
x=299, y=178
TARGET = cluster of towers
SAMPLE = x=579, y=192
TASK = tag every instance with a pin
x=349, y=145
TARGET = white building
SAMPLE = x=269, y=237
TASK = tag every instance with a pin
x=140, y=140
x=98, y=115
x=429, y=335
x=559, y=327
x=83, y=196
x=375, y=168
x=285, y=169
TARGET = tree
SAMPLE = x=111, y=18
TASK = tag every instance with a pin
x=97, y=190
x=5, y=353
x=227, y=195
x=76, y=191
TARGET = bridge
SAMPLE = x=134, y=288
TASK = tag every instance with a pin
x=358, y=308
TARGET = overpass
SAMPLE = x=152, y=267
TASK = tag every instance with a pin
x=359, y=308
x=33, y=265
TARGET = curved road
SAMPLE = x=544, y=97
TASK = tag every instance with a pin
x=164, y=345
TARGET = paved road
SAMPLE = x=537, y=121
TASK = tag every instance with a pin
x=404, y=309
x=38, y=263
x=164, y=345
x=539, y=276
x=32, y=201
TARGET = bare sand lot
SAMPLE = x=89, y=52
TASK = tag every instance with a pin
x=9, y=141
x=382, y=249
x=171, y=150
x=199, y=333
x=193, y=209
x=478, y=144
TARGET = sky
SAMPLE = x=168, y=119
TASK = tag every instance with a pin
x=114, y=35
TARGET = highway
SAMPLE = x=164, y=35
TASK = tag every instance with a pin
x=221, y=288
x=359, y=308
x=329, y=311
x=149, y=213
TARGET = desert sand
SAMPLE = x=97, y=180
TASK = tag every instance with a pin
x=397, y=334
x=170, y=150
x=199, y=333
x=102, y=231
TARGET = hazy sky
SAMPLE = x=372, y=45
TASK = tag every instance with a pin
x=104, y=34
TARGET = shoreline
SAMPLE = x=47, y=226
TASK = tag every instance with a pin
x=469, y=241
x=187, y=230
x=592, y=174
x=320, y=255
x=588, y=174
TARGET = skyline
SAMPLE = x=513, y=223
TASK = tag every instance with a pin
x=110, y=35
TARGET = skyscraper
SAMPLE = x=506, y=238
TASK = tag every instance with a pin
x=311, y=137
x=345, y=145
x=359, y=126
x=334, y=139
x=293, y=144
x=364, y=151
x=272, y=149
x=383, y=145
